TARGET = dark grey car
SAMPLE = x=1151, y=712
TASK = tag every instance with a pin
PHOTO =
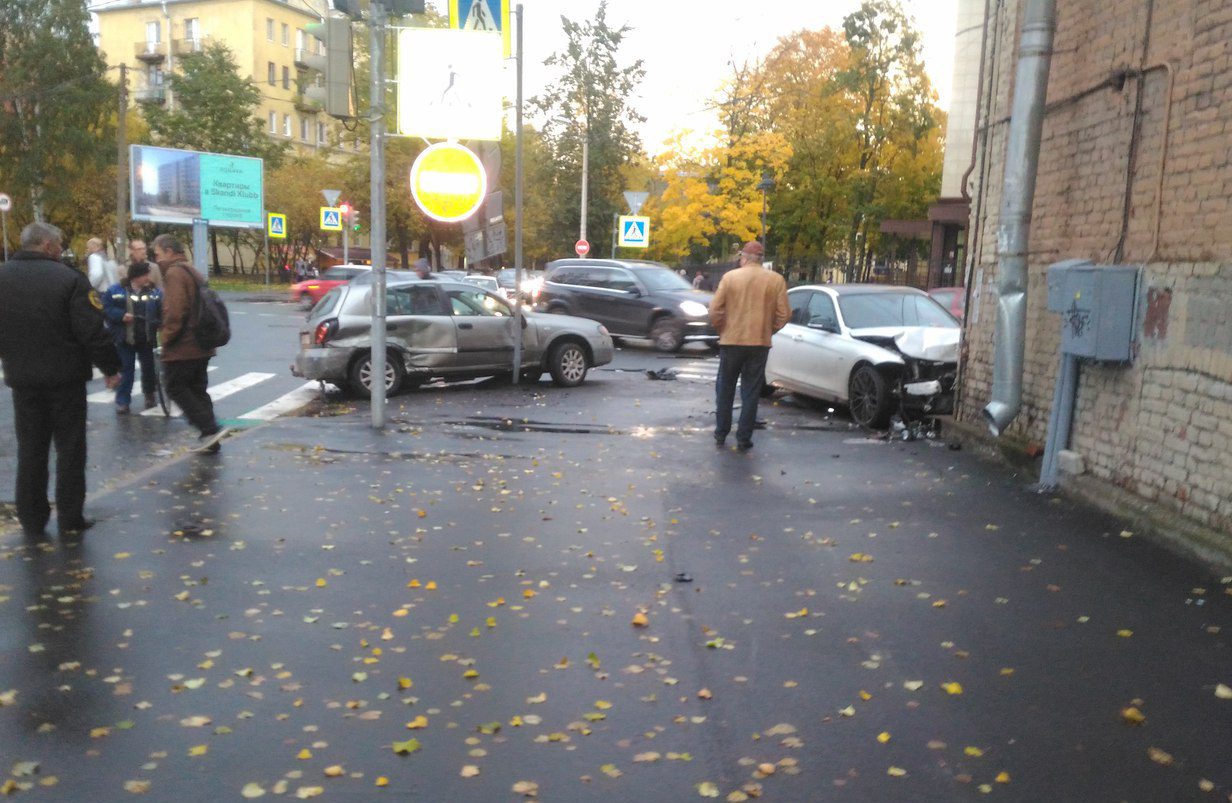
x=630, y=298
x=441, y=329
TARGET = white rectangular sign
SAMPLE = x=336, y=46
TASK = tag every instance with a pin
x=449, y=84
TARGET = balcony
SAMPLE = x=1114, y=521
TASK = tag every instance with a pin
x=304, y=58
x=150, y=94
x=307, y=105
x=182, y=47
x=152, y=52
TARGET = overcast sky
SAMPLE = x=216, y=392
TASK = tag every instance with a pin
x=687, y=46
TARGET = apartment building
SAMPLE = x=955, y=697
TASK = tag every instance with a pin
x=267, y=38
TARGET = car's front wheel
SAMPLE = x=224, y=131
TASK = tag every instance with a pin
x=567, y=364
x=361, y=376
x=667, y=334
x=868, y=397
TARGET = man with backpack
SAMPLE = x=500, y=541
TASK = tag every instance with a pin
x=185, y=358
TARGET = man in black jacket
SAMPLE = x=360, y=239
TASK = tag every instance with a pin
x=51, y=333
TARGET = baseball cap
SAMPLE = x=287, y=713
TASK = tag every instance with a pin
x=753, y=249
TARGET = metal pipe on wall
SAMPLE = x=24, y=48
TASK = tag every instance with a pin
x=1013, y=236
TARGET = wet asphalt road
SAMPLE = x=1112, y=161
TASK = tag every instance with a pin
x=871, y=621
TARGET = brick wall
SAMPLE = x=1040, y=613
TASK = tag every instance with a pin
x=1160, y=428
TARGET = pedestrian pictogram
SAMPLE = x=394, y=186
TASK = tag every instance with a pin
x=331, y=218
x=582, y=248
x=277, y=226
x=482, y=15
x=634, y=231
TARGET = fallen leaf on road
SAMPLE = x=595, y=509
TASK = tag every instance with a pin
x=469, y=771
x=252, y=791
x=526, y=788
x=137, y=787
x=952, y=688
x=1159, y=756
x=334, y=771
x=640, y=620
x=896, y=772
x=707, y=789
x=1132, y=716
x=1223, y=692
x=407, y=747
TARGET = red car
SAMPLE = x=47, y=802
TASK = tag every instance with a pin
x=954, y=299
x=308, y=292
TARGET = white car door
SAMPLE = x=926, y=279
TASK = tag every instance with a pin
x=822, y=357
x=780, y=364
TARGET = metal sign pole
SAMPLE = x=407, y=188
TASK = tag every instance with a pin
x=517, y=237
x=4, y=217
x=377, y=21
x=268, y=256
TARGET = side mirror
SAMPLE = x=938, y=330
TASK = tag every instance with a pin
x=634, y=292
x=824, y=327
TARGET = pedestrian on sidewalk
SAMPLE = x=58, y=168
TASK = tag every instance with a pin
x=51, y=333
x=185, y=363
x=100, y=270
x=132, y=308
x=749, y=306
x=138, y=255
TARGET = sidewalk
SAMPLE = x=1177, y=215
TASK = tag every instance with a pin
x=445, y=611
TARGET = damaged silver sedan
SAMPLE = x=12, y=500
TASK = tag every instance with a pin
x=441, y=329
x=884, y=352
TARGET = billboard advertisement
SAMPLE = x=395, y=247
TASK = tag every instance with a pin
x=168, y=185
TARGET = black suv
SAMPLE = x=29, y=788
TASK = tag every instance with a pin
x=631, y=298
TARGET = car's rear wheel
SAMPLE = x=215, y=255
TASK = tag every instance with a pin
x=667, y=334
x=868, y=397
x=361, y=376
x=567, y=364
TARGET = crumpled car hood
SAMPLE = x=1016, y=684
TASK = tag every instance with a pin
x=919, y=342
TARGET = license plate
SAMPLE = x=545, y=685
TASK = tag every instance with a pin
x=305, y=340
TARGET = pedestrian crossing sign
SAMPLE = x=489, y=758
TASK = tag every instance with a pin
x=331, y=218
x=634, y=231
x=482, y=15
x=277, y=227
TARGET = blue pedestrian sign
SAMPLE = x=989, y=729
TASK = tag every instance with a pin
x=277, y=227
x=482, y=15
x=331, y=218
x=634, y=231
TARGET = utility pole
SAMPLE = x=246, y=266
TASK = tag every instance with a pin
x=170, y=59
x=517, y=232
x=121, y=233
x=585, y=171
x=376, y=24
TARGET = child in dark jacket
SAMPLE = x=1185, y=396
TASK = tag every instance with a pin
x=133, y=308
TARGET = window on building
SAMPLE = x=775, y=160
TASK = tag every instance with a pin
x=192, y=29
x=273, y=74
x=153, y=35
x=301, y=39
x=286, y=34
x=286, y=77
x=303, y=128
x=269, y=28
x=273, y=121
x=320, y=133
x=286, y=125
x=154, y=76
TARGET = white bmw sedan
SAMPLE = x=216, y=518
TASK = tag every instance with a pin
x=879, y=350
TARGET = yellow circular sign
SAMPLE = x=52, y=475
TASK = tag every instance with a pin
x=448, y=182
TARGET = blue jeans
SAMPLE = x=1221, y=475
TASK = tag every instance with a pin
x=129, y=356
x=748, y=364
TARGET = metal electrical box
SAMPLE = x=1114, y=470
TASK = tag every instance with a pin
x=1097, y=304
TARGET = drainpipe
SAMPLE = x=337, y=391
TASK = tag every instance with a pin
x=1021, y=163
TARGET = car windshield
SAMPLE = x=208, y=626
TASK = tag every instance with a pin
x=874, y=310
x=659, y=279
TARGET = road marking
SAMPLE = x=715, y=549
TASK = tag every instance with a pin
x=222, y=391
x=285, y=403
x=108, y=396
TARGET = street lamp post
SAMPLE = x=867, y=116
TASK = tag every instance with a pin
x=765, y=185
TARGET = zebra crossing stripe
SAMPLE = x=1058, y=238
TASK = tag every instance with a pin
x=225, y=389
x=108, y=396
x=285, y=403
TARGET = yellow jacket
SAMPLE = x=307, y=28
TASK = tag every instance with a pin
x=749, y=306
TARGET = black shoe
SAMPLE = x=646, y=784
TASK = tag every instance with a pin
x=34, y=534
x=211, y=443
x=76, y=528
x=719, y=440
x=744, y=446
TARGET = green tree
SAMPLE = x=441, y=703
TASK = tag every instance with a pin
x=56, y=105
x=893, y=105
x=216, y=111
x=587, y=103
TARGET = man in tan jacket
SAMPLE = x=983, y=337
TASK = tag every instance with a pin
x=749, y=306
x=185, y=363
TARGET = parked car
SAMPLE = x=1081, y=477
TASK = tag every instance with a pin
x=440, y=328
x=879, y=350
x=456, y=275
x=488, y=283
x=631, y=298
x=532, y=281
x=308, y=292
x=954, y=299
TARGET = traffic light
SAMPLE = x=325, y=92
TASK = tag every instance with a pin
x=354, y=219
x=335, y=66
